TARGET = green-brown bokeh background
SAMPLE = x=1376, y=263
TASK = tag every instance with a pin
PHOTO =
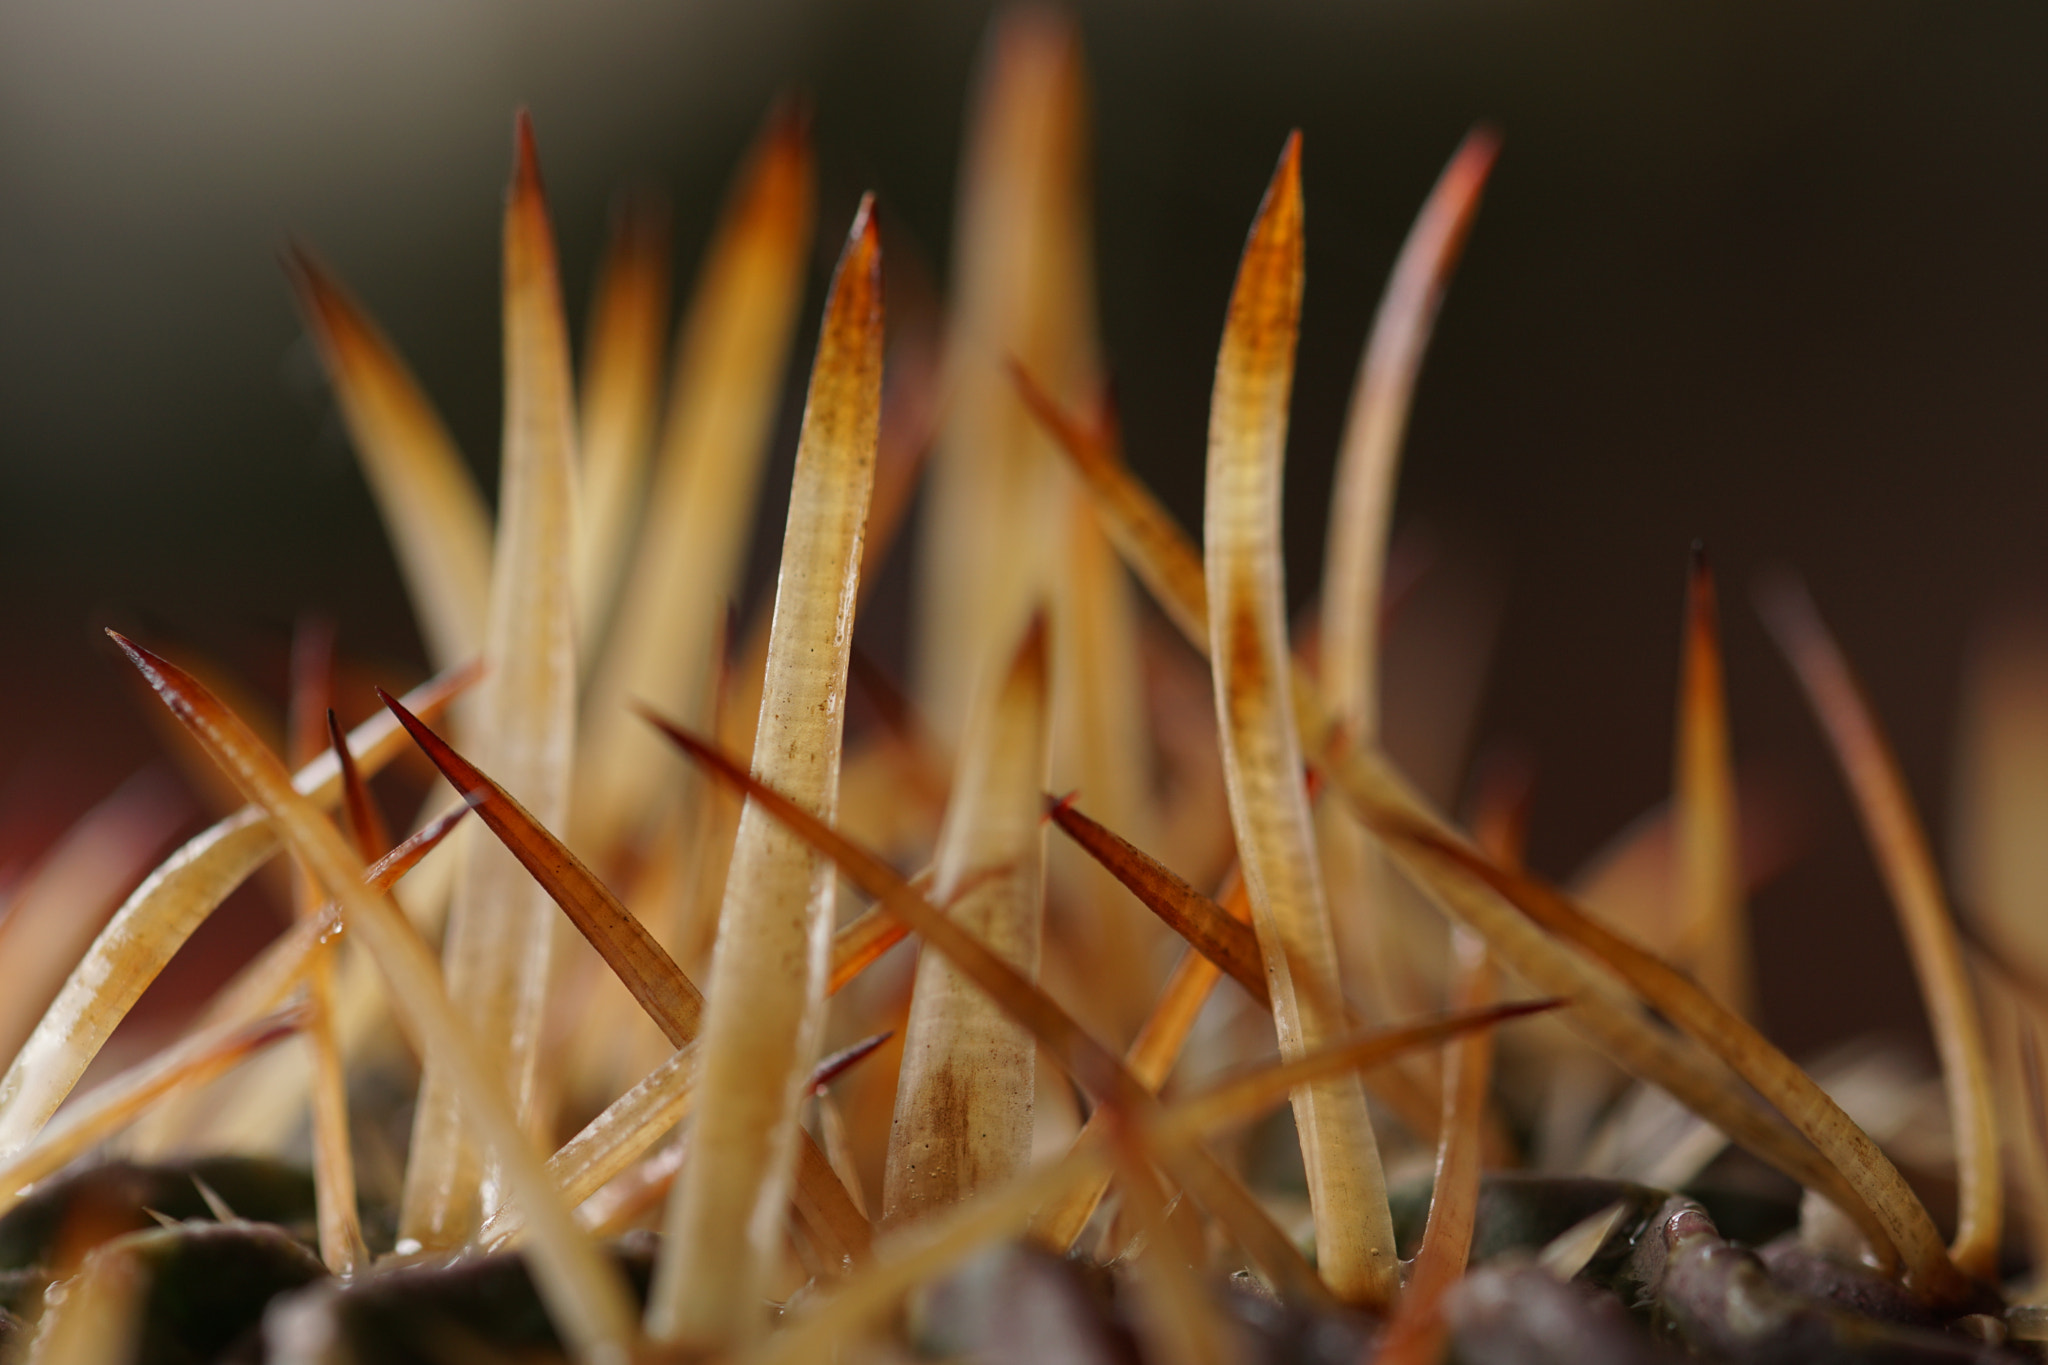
x=1767, y=275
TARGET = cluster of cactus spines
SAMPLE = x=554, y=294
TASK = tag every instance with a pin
x=1055, y=1062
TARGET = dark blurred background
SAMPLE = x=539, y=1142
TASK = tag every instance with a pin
x=1767, y=275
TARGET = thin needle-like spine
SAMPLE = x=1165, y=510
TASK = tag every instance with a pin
x=366, y=827
x=501, y=927
x=1020, y=286
x=1178, y=1320
x=1242, y=1097
x=1881, y=1202
x=1163, y=558
x=1469, y=888
x=620, y=396
x=310, y=699
x=334, y=1172
x=916, y=1253
x=192, y=1122
x=1361, y=515
x=1005, y=528
x=582, y=1292
x=2001, y=797
x=439, y=525
x=731, y=355
x=633, y=954
x=313, y=726
x=270, y=977
x=1153, y=544
x=1101, y=742
x=49, y=919
x=1900, y=843
x=261, y=1099
x=1418, y=1332
x=161, y=914
x=1092, y=1066
x=184, y=1066
x=1416, y=1335
x=1150, y=1057
x=769, y=967
x=911, y=402
x=1223, y=937
x=1262, y=753
x=625, y=1130
x=1713, y=930
x=1369, y=460
x=620, y=1135
x=929, y=1247
x=964, y=1095
x=2001, y=872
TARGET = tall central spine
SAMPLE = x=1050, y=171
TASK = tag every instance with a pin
x=768, y=972
x=1251, y=667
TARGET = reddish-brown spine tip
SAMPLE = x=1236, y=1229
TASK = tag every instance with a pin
x=1481, y=144
x=635, y=279
x=187, y=698
x=1276, y=231
x=1287, y=175
x=365, y=825
x=1473, y=162
x=338, y=325
x=850, y=344
x=430, y=743
x=1090, y=444
x=1701, y=598
x=1462, y=184
x=300, y=269
x=777, y=182
x=396, y=708
x=863, y=239
x=831, y=1068
x=458, y=770
x=1265, y=302
x=526, y=186
x=274, y=1028
x=1787, y=608
x=1035, y=644
x=159, y=671
x=788, y=131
